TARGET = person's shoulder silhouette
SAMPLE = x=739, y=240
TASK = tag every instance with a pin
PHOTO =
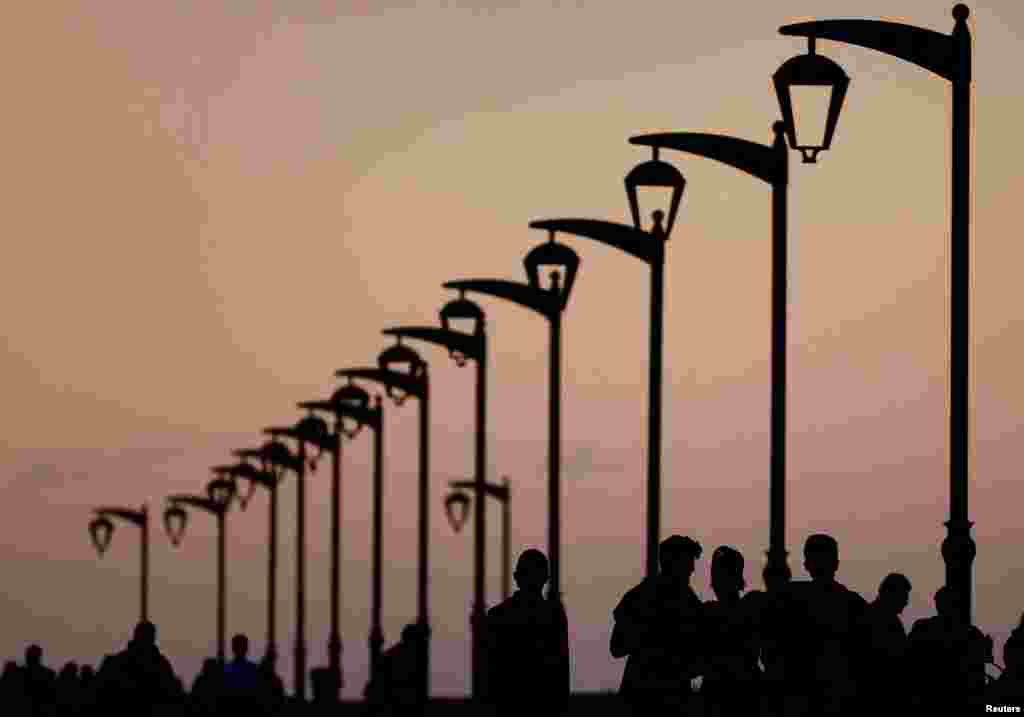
x=658, y=627
x=527, y=642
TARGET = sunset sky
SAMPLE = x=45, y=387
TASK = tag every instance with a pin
x=172, y=286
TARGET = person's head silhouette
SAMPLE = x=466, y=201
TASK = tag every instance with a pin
x=677, y=556
x=240, y=646
x=531, y=571
x=727, y=572
x=33, y=656
x=144, y=634
x=821, y=557
x=894, y=593
x=948, y=603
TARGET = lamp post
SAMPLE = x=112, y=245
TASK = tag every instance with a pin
x=274, y=458
x=550, y=303
x=308, y=430
x=649, y=247
x=352, y=403
x=471, y=344
x=101, y=530
x=769, y=163
x=220, y=493
x=457, y=505
x=399, y=385
x=949, y=57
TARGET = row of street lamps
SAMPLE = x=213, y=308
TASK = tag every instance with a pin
x=551, y=269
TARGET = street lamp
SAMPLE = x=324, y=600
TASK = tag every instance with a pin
x=561, y=264
x=101, y=530
x=220, y=493
x=351, y=407
x=769, y=163
x=309, y=429
x=457, y=505
x=349, y=403
x=470, y=344
x=649, y=247
x=400, y=385
x=949, y=57
x=269, y=475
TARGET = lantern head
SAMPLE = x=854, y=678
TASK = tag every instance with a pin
x=221, y=491
x=101, y=530
x=814, y=83
x=659, y=176
x=466, y=314
x=456, y=506
x=400, y=355
x=175, y=520
x=556, y=260
x=353, y=396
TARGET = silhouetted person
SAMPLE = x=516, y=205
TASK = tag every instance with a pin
x=396, y=684
x=207, y=689
x=241, y=681
x=730, y=669
x=1008, y=689
x=527, y=638
x=68, y=689
x=824, y=637
x=325, y=690
x=658, y=626
x=139, y=678
x=13, y=695
x=948, y=656
x=884, y=668
x=768, y=613
x=272, y=697
x=40, y=682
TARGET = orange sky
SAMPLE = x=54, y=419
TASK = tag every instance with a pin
x=166, y=295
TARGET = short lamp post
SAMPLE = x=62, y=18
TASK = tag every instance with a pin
x=220, y=492
x=101, y=530
x=413, y=380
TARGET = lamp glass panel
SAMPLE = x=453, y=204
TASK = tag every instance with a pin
x=810, y=113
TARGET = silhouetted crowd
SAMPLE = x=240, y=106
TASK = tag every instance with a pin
x=140, y=681
x=797, y=648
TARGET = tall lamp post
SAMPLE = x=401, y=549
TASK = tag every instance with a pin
x=310, y=429
x=769, y=163
x=457, y=505
x=101, y=530
x=220, y=492
x=399, y=385
x=649, y=247
x=549, y=302
x=350, y=407
x=949, y=57
x=471, y=344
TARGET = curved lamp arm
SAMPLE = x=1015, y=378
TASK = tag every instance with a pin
x=764, y=161
x=369, y=416
x=947, y=56
x=396, y=379
x=631, y=240
x=196, y=501
x=138, y=517
x=469, y=345
x=495, y=490
x=545, y=304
